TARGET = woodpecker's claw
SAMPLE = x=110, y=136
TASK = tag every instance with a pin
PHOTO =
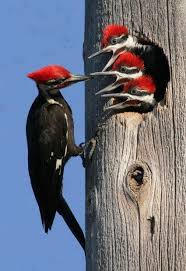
x=91, y=144
x=88, y=151
x=82, y=154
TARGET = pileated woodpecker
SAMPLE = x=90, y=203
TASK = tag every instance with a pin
x=50, y=137
x=116, y=39
x=135, y=94
x=129, y=67
x=126, y=67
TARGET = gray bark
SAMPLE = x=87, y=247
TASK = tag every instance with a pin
x=134, y=225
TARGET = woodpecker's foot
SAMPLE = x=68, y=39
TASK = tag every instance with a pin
x=82, y=154
x=90, y=148
x=88, y=151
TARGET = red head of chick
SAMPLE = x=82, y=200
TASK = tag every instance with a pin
x=115, y=39
x=127, y=66
x=138, y=93
x=113, y=34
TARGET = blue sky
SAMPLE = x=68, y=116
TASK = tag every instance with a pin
x=34, y=34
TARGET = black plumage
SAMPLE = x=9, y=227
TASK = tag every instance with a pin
x=155, y=63
x=50, y=137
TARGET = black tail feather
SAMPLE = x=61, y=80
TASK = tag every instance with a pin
x=65, y=211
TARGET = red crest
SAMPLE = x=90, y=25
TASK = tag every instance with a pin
x=112, y=30
x=144, y=83
x=128, y=59
x=48, y=73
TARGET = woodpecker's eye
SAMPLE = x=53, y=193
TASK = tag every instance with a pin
x=61, y=80
x=123, y=69
x=113, y=41
x=134, y=70
x=134, y=91
x=55, y=81
x=129, y=70
x=52, y=81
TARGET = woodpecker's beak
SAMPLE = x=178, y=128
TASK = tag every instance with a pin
x=115, y=49
x=121, y=105
x=59, y=83
x=148, y=98
x=102, y=51
x=117, y=106
x=129, y=100
x=121, y=78
x=111, y=61
x=110, y=48
x=76, y=78
x=119, y=95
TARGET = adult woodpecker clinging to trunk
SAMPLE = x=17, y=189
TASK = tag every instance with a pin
x=50, y=138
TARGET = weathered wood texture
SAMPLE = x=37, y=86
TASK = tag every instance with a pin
x=120, y=235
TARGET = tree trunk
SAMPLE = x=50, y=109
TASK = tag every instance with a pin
x=136, y=182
